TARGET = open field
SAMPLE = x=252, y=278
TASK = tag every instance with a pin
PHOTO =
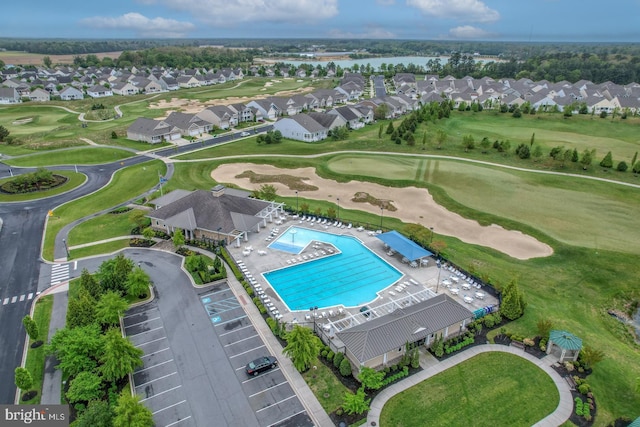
x=487, y=390
x=72, y=156
x=75, y=180
x=25, y=58
x=125, y=185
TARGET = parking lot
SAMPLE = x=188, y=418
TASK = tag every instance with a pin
x=269, y=394
x=157, y=382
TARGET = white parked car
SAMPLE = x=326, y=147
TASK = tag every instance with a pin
x=245, y=134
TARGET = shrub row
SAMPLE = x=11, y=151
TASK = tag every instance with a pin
x=582, y=409
x=403, y=373
x=450, y=348
x=338, y=360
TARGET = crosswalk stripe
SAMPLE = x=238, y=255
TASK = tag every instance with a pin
x=59, y=273
x=13, y=299
x=30, y=295
x=22, y=297
x=6, y=301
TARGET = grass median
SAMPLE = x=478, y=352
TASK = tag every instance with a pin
x=72, y=156
x=36, y=356
x=126, y=184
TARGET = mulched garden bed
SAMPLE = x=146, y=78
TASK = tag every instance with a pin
x=141, y=243
x=576, y=419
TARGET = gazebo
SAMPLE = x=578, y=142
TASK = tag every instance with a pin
x=568, y=344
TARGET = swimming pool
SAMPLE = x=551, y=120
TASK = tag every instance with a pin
x=351, y=277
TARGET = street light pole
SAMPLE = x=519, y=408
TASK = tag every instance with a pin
x=381, y=213
x=66, y=248
x=296, y=201
x=338, y=200
x=431, y=240
x=439, y=269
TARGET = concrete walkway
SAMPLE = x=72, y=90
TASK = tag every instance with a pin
x=556, y=418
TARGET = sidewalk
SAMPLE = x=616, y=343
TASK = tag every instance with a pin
x=556, y=418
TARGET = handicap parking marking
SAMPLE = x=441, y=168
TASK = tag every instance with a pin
x=216, y=319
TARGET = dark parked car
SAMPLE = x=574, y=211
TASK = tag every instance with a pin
x=262, y=364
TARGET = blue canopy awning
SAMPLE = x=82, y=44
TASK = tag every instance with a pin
x=404, y=246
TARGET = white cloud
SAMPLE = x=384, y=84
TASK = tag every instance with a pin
x=464, y=10
x=370, y=33
x=469, y=32
x=143, y=26
x=231, y=12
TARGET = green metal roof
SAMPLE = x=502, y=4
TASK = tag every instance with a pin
x=565, y=340
x=635, y=423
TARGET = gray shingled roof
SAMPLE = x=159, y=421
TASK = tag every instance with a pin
x=323, y=119
x=208, y=212
x=308, y=123
x=145, y=126
x=383, y=334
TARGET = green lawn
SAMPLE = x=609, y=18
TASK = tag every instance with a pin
x=561, y=207
x=102, y=227
x=36, y=356
x=126, y=184
x=75, y=180
x=487, y=390
x=327, y=388
x=71, y=156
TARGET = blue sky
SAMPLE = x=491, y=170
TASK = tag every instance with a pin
x=498, y=20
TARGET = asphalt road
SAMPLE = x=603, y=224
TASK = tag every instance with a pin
x=20, y=243
x=378, y=86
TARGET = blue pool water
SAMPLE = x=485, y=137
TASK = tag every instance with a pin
x=350, y=278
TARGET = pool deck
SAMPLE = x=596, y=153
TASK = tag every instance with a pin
x=259, y=258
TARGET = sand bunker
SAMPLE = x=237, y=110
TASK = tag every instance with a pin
x=415, y=205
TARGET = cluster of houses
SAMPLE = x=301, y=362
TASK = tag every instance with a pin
x=71, y=83
x=541, y=95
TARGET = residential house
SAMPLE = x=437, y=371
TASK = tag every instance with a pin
x=352, y=117
x=188, y=81
x=267, y=109
x=301, y=127
x=329, y=121
x=219, y=115
x=99, y=91
x=124, y=88
x=152, y=131
x=40, y=95
x=9, y=95
x=382, y=340
x=70, y=93
x=244, y=114
x=188, y=124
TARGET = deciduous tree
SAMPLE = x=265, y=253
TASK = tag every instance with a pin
x=138, y=283
x=97, y=414
x=85, y=387
x=110, y=307
x=370, y=378
x=77, y=349
x=355, y=403
x=23, y=378
x=31, y=327
x=119, y=356
x=129, y=412
x=177, y=239
x=302, y=347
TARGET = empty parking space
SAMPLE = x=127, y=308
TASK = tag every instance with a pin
x=157, y=381
x=269, y=394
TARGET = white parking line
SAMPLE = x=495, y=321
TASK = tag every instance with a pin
x=243, y=339
x=179, y=421
x=162, y=392
x=155, y=352
x=256, y=377
x=144, y=321
x=144, y=332
x=213, y=293
x=149, y=342
x=170, y=406
x=139, y=314
x=156, y=379
x=235, y=330
x=288, y=418
x=153, y=366
x=240, y=354
x=276, y=403
x=267, y=389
